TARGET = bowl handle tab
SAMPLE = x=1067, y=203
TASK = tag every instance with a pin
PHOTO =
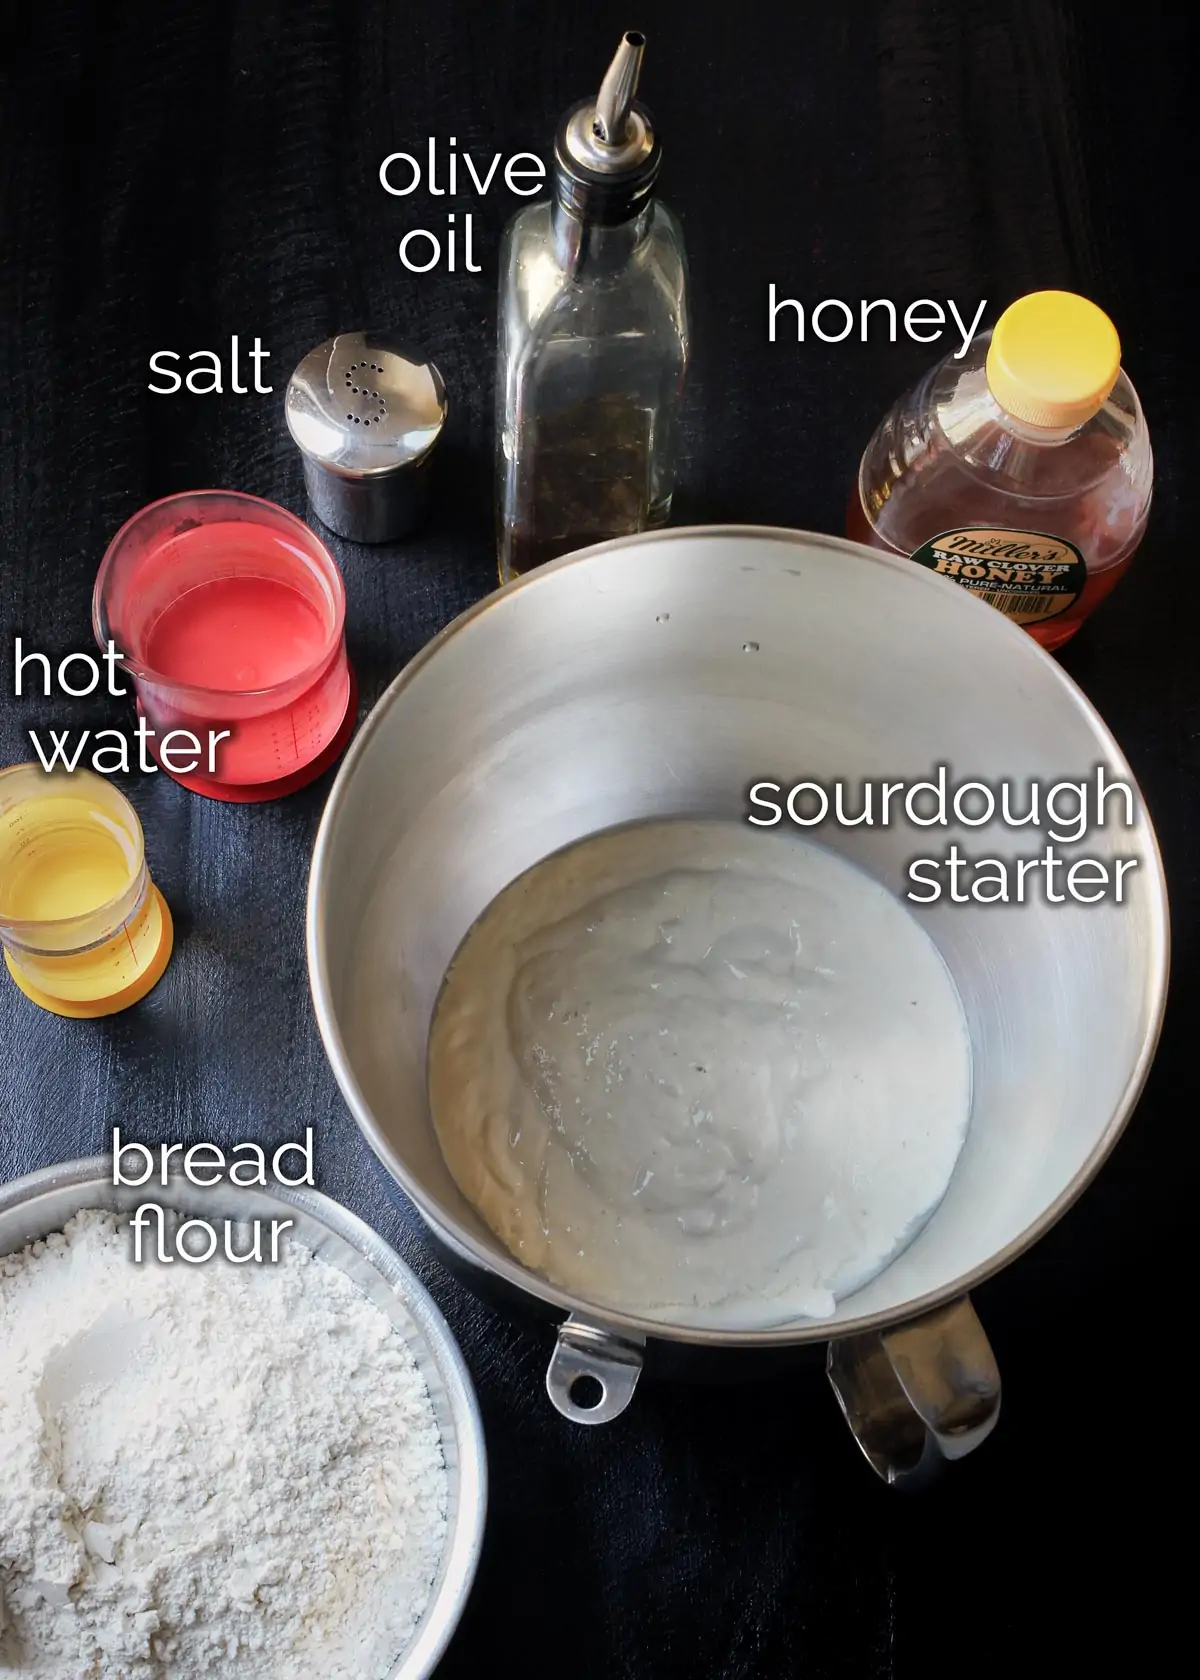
x=919, y=1393
x=593, y=1371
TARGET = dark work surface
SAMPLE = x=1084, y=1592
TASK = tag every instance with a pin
x=175, y=172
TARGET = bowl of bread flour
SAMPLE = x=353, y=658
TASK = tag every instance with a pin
x=257, y=1470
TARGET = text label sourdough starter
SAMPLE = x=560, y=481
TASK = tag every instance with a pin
x=700, y=1073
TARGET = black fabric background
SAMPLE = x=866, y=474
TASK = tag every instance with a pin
x=172, y=172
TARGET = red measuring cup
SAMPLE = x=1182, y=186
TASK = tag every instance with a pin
x=230, y=616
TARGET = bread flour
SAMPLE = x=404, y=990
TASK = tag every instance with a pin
x=207, y=1469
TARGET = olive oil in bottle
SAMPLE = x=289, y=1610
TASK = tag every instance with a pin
x=593, y=338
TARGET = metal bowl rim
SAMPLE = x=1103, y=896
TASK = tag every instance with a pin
x=462, y=1244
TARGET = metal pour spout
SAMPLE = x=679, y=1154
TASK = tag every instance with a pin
x=607, y=143
x=618, y=88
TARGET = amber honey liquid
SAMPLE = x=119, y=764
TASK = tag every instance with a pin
x=946, y=496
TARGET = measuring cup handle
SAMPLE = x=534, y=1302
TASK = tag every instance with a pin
x=919, y=1393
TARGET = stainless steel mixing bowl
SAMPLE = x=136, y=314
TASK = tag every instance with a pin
x=659, y=676
x=34, y=1206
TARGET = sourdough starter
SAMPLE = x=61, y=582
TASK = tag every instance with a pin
x=701, y=1074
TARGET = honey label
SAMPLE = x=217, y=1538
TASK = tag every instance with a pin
x=1028, y=575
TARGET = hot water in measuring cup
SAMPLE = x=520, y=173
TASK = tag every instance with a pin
x=230, y=615
x=85, y=931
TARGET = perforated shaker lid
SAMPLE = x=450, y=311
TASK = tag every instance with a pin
x=362, y=405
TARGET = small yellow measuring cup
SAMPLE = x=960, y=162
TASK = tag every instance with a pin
x=85, y=931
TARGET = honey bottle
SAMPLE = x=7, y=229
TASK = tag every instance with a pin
x=1023, y=471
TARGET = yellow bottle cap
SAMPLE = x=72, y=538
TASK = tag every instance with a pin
x=1053, y=359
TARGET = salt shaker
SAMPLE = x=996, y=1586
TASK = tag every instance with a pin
x=366, y=414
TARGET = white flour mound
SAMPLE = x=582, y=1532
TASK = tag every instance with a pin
x=207, y=1470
